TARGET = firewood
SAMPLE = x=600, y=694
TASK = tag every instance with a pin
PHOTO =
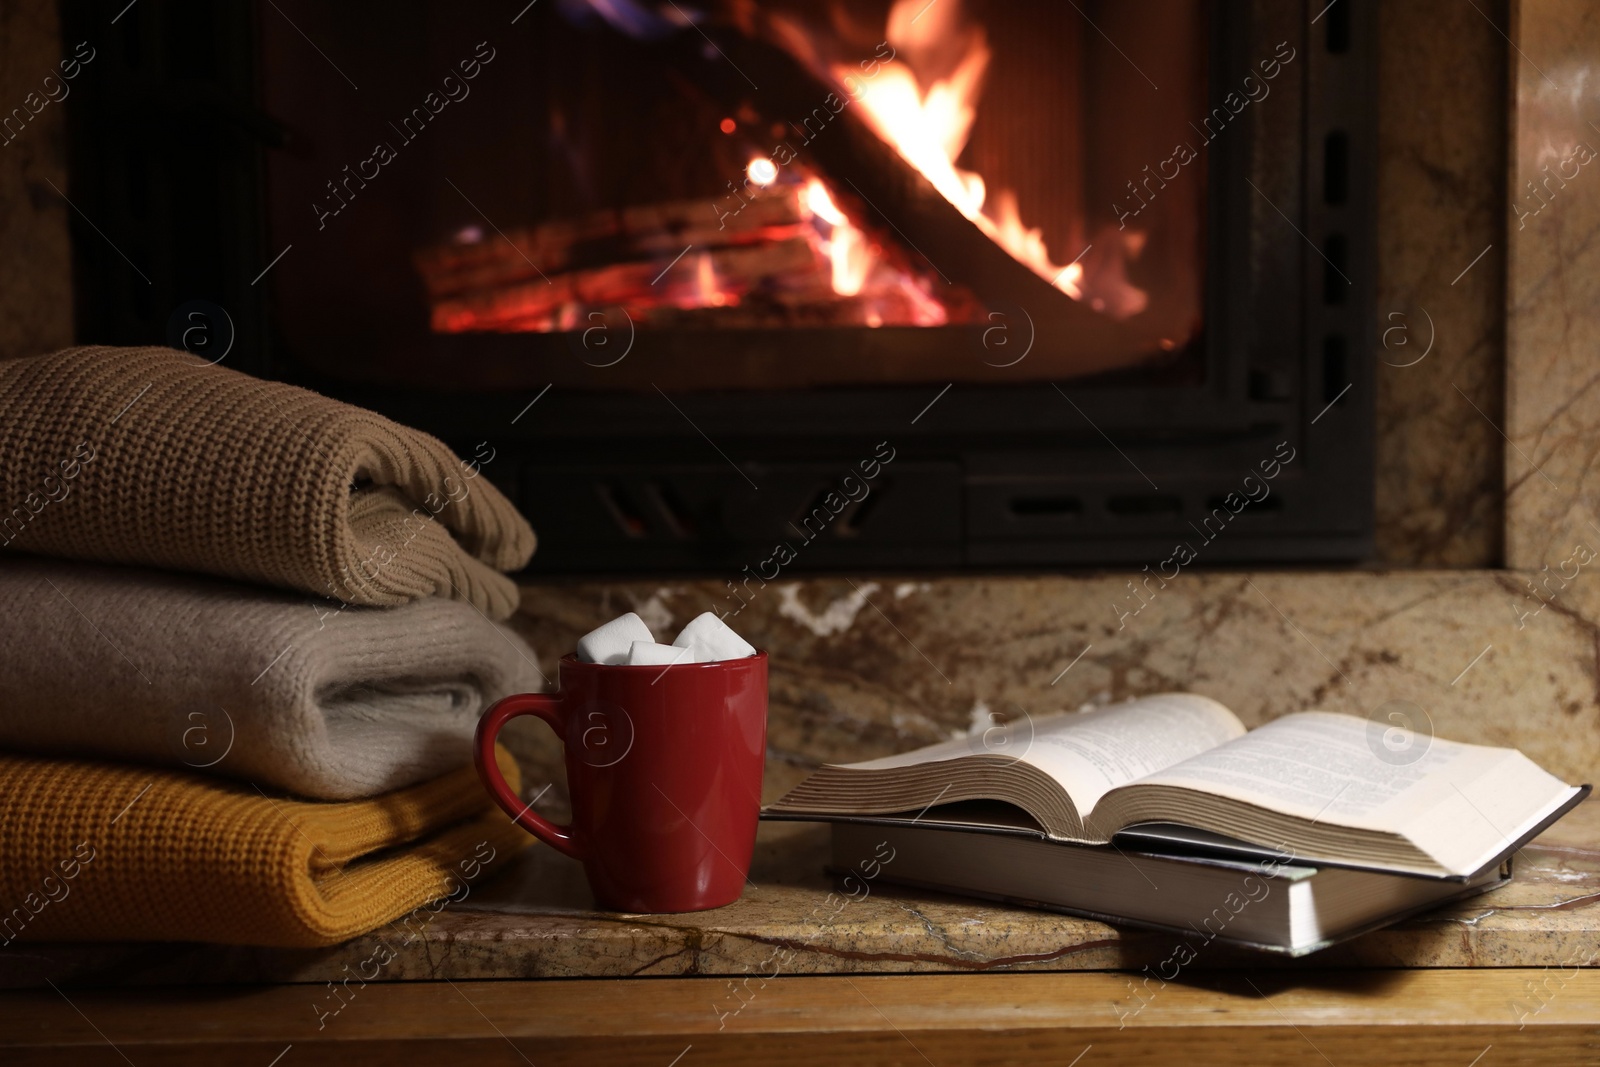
x=696, y=278
x=640, y=232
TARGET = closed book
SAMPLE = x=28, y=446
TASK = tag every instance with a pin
x=1259, y=901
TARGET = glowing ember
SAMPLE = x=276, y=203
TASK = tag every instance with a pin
x=762, y=172
x=929, y=129
x=708, y=293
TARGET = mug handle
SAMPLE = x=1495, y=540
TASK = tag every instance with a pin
x=547, y=707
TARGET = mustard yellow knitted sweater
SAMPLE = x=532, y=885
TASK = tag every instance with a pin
x=152, y=456
x=116, y=852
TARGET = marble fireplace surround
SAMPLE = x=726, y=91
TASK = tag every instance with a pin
x=865, y=667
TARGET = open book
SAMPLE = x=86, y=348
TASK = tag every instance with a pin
x=1315, y=786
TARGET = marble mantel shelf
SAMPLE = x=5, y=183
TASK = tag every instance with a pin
x=538, y=921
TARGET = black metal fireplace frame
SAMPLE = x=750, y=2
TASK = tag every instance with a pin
x=167, y=143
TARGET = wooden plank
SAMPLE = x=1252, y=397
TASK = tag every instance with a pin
x=1451, y=1018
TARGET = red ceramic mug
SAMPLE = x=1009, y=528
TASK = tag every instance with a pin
x=664, y=769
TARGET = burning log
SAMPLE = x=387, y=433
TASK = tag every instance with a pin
x=641, y=232
x=680, y=264
x=696, y=279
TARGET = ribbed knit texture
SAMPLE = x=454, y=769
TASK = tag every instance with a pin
x=171, y=856
x=151, y=456
x=280, y=689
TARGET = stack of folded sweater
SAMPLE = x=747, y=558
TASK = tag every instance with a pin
x=247, y=635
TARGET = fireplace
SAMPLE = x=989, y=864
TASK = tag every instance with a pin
x=1069, y=279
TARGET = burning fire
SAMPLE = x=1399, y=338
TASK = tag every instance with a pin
x=929, y=129
x=782, y=250
x=846, y=247
x=857, y=264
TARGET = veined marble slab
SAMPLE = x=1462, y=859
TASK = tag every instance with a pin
x=868, y=666
x=1553, y=322
x=1440, y=484
x=538, y=921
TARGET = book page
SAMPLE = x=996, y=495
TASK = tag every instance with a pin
x=1091, y=753
x=1321, y=766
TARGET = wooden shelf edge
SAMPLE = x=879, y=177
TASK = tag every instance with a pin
x=1445, y=1017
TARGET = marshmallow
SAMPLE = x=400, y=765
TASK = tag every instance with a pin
x=713, y=639
x=610, y=643
x=648, y=652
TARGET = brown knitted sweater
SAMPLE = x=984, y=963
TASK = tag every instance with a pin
x=152, y=456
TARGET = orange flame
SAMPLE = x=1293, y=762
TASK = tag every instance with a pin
x=929, y=130
x=846, y=246
x=859, y=268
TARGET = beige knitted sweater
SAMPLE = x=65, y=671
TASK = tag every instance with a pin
x=135, y=665
x=152, y=456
